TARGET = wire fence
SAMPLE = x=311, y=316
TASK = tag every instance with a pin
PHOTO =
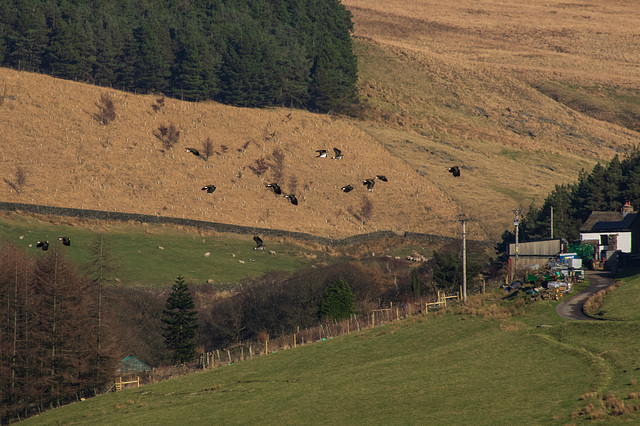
x=324, y=331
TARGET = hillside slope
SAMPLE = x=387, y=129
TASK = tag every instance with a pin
x=49, y=129
x=440, y=85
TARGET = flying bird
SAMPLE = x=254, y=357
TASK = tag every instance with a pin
x=65, y=240
x=338, y=155
x=292, y=198
x=455, y=170
x=347, y=188
x=259, y=244
x=276, y=188
x=322, y=153
x=43, y=244
x=382, y=178
x=193, y=151
x=369, y=183
x=209, y=188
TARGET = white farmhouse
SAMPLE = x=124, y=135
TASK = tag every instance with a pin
x=612, y=231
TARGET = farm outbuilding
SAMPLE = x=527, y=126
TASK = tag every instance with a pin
x=533, y=253
x=131, y=365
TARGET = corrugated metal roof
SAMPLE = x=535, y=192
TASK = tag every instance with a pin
x=608, y=221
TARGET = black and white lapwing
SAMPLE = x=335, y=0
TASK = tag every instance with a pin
x=338, y=155
x=65, y=241
x=322, y=153
x=292, y=198
x=369, y=183
x=382, y=178
x=209, y=188
x=347, y=188
x=194, y=151
x=44, y=245
x=275, y=187
x=455, y=170
x=259, y=243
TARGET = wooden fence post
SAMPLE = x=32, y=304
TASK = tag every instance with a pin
x=294, y=340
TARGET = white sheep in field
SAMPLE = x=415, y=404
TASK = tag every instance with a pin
x=241, y=261
x=207, y=254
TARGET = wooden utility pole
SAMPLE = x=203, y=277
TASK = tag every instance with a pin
x=516, y=223
x=464, y=259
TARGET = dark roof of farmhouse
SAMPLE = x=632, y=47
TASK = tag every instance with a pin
x=608, y=221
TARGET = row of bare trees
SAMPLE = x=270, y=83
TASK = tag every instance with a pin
x=49, y=346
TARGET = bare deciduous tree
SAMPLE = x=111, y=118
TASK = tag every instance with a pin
x=366, y=208
x=207, y=148
x=106, y=110
x=278, y=164
x=19, y=181
x=168, y=135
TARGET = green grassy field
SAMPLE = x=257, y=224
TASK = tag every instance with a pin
x=485, y=364
x=622, y=304
x=138, y=260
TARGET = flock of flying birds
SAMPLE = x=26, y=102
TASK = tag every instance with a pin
x=44, y=245
x=322, y=153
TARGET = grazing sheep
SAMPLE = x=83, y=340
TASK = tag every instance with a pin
x=207, y=254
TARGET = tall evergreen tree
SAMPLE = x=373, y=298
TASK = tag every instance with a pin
x=338, y=301
x=180, y=322
x=415, y=282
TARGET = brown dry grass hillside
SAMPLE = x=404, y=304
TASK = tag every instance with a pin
x=521, y=95
x=49, y=129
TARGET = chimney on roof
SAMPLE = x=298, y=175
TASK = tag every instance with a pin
x=627, y=208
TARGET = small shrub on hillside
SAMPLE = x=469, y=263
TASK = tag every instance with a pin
x=106, y=110
x=3, y=96
x=168, y=135
x=158, y=106
x=261, y=166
